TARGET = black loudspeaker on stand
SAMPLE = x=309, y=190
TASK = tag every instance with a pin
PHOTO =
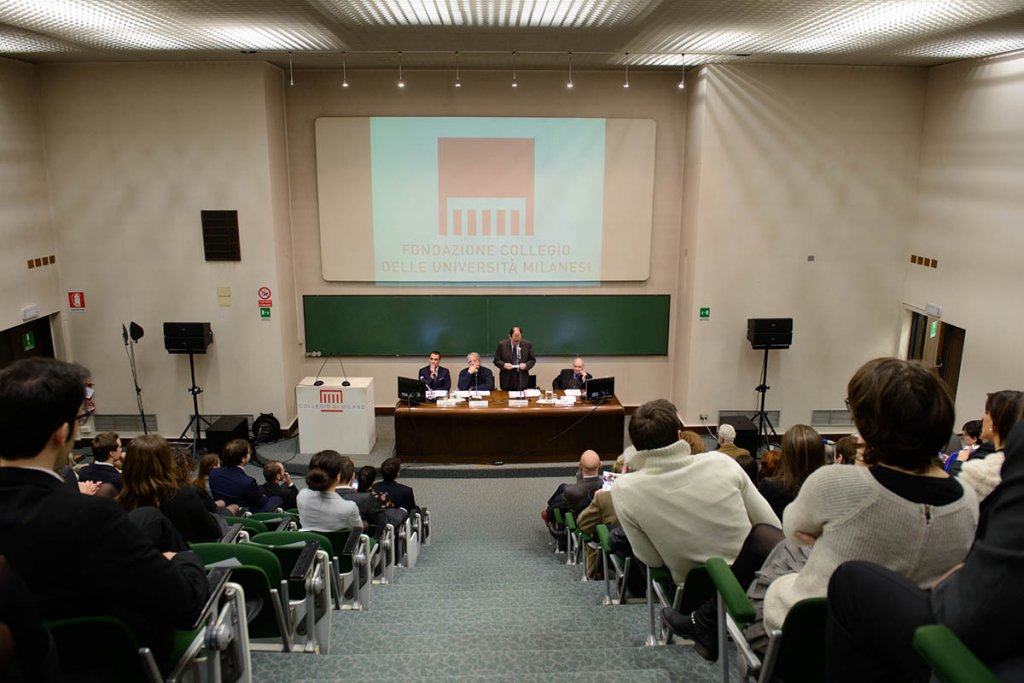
x=190, y=338
x=767, y=334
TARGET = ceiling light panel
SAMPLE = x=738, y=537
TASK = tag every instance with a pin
x=488, y=13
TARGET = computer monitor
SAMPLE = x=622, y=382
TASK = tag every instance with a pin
x=600, y=389
x=411, y=390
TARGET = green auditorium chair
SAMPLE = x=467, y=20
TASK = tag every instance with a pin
x=796, y=652
x=580, y=540
x=560, y=531
x=612, y=562
x=216, y=648
x=305, y=557
x=276, y=521
x=350, y=558
x=250, y=526
x=950, y=660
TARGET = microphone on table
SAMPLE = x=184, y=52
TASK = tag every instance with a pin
x=344, y=375
x=317, y=382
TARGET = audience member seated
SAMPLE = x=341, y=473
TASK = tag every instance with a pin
x=726, y=439
x=873, y=611
x=79, y=555
x=903, y=511
x=769, y=464
x=1001, y=409
x=575, y=377
x=749, y=465
x=847, y=450
x=695, y=441
x=399, y=494
x=970, y=440
x=576, y=496
x=231, y=484
x=475, y=377
x=370, y=509
x=320, y=507
x=803, y=451
x=678, y=530
x=106, y=461
x=279, y=483
x=151, y=479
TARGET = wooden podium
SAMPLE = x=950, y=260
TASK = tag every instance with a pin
x=335, y=417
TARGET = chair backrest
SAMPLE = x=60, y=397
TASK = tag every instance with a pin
x=260, y=571
x=248, y=523
x=559, y=520
x=802, y=656
x=950, y=659
x=570, y=522
x=79, y=640
x=288, y=546
x=338, y=540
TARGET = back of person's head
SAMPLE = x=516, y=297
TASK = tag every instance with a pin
x=748, y=464
x=846, y=449
x=590, y=463
x=37, y=397
x=207, y=463
x=695, y=440
x=272, y=470
x=348, y=470
x=769, y=463
x=367, y=475
x=655, y=424
x=183, y=466
x=324, y=470
x=903, y=411
x=1004, y=409
x=234, y=452
x=390, y=468
x=972, y=428
x=149, y=473
x=727, y=433
x=803, y=451
x=103, y=444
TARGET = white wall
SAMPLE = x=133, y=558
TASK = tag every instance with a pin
x=25, y=226
x=134, y=153
x=971, y=218
x=799, y=161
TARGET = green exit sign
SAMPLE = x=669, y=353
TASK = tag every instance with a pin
x=28, y=341
x=934, y=329
x=705, y=313
x=264, y=314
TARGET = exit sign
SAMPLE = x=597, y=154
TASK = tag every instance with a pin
x=934, y=329
x=28, y=341
x=705, y=313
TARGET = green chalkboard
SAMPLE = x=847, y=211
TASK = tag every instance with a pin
x=412, y=325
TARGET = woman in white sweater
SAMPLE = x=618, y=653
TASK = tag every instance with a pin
x=903, y=511
x=320, y=506
x=984, y=474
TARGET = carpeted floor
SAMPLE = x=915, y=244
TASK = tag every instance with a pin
x=489, y=601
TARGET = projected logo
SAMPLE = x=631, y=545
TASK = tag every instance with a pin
x=485, y=186
x=331, y=401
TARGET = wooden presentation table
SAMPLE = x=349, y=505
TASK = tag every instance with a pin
x=535, y=433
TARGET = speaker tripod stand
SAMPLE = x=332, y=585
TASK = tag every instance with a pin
x=764, y=423
x=197, y=421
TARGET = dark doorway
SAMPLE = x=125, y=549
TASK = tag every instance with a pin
x=28, y=340
x=937, y=344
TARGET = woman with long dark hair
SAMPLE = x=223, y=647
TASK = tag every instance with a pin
x=803, y=451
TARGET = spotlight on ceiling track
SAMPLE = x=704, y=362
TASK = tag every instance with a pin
x=458, y=80
x=626, y=83
x=291, y=73
x=401, y=81
x=515, y=83
x=682, y=72
x=344, y=71
x=569, y=83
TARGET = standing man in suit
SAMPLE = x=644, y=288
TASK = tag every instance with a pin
x=435, y=376
x=107, y=456
x=514, y=359
x=572, y=378
x=475, y=377
x=49, y=532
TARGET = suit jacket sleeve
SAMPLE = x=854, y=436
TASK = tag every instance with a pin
x=444, y=379
x=252, y=495
x=503, y=354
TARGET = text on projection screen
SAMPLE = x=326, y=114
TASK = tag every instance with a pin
x=485, y=200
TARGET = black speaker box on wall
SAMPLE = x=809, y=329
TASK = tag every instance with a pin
x=187, y=337
x=746, y=433
x=226, y=428
x=770, y=333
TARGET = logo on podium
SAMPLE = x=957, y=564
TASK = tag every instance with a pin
x=331, y=401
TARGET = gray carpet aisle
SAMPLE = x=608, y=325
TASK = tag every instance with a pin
x=488, y=601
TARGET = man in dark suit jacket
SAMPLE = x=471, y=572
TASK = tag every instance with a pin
x=475, y=377
x=572, y=378
x=514, y=360
x=434, y=375
x=230, y=483
x=106, y=457
x=400, y=494
x=49, y=533
x=279, y=483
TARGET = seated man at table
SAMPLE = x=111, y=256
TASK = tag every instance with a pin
x=572, y=378
x=434, y=376
x=475, y=377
